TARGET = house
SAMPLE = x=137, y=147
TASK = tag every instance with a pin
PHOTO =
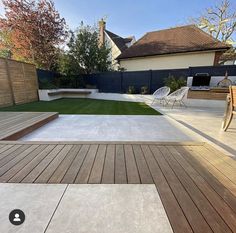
x=174, y=48
x=117, y=43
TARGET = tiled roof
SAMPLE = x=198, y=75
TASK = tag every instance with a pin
x=174, y=40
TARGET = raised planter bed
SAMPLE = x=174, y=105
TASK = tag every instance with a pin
x=212, y=94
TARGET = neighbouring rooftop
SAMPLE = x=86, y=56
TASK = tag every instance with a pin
x=119, y=41
x=174, y=40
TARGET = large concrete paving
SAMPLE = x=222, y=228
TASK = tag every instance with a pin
x=84, y=208
x=178, y=124
x=37, y=201
x=112, y=128
x=110, y=209
x=205, y=122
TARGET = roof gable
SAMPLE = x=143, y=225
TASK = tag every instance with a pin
x=174, y=40
x=120, y=42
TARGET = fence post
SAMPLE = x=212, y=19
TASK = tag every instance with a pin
x=150, y=82
x=10, y=82
x=23, y=71
x=190, y=71
x=76, y=81
x=121, y=82
x=98, y=81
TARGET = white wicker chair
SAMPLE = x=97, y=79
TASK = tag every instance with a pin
x=160, y=94
x=177, y=96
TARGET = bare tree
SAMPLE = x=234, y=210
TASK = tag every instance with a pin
x=219, y=21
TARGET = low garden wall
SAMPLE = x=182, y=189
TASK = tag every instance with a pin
x=53, y=94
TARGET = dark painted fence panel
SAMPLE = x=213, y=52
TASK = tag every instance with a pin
x=109, y=81
x=46, y=75
x=214, y=70
x=135, y=79
x=158, y=77
x=119, y=82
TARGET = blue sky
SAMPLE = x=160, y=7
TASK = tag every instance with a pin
x=131, y=17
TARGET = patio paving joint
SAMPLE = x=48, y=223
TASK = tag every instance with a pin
x=56, y=208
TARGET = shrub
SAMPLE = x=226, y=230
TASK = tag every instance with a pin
x=80, y=81
x=70, y=81
x=175, y=83
x=131, y=90
x=45, y=84
x=144, y=90
x=89, y=86
x=66, y=82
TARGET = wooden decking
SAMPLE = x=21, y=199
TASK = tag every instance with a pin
x=196, y=183
x=14, y=125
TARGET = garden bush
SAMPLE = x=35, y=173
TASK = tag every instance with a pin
x=131, y=90
x=175, y=83
x=144, y=90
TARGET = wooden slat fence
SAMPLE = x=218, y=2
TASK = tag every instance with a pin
x=18, y=82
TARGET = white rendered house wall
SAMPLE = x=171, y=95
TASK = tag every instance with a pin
x=178, y=61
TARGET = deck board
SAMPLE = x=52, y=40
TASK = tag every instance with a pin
x=14, y=125
x=131, y=165
x=20, y=175
x=12, y=153
x=35, y=173
x=213, y=219
x=71, y=174
x=212, y=197
x=215, y=184
x=18, y=165
x=64, y=166
x=197, y=193
x=177, y=218
x=96, y=171
x=84, y=173
x=108, y=176
x=143, y=169
x=219, y=163
x=45, y=176
x=11, y=121
x=189, y=208
x=120, y=166
x=7, y=149
x=221, y=176
x=219, y=154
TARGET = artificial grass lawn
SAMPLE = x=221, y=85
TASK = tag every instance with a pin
x=85, y=106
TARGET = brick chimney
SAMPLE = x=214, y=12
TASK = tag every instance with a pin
x=102, y=28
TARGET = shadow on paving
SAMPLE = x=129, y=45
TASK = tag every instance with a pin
x=227, y=148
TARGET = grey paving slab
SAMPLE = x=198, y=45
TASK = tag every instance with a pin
x=111, y=128
x=206, y=122
x=110, y=209
x=37, y=201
